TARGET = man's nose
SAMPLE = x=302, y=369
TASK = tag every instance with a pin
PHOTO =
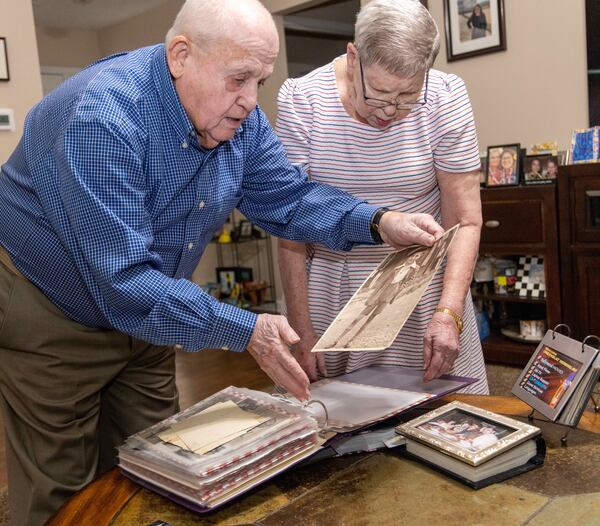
x=249, y=96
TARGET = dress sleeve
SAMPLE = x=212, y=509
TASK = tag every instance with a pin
x=294, y=121
x=452, y=129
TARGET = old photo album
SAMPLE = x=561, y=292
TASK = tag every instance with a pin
x=378, y=310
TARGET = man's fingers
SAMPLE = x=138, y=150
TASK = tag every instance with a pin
x=288, y=369
x=287, y=334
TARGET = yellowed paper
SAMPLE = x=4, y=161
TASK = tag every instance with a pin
x=211, y=428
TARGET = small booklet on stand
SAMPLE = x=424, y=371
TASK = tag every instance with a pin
x=237, y=438
x=472, y=445
x=559, y=378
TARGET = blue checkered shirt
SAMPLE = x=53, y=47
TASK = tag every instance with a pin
x=108, y=202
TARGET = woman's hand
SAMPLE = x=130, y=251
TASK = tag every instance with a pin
x=441, y=346
x=312, y=363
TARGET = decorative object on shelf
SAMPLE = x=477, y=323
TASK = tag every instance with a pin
x=585, y=146
x=245, y=229
x=541, y=148
x=4, y=74
x=503, y=164
x=530, y=277
x=484, y=270
x=504, y=271
x=483, y=170
x=540, y=169
x=225, y=235
x=474, y=29
x=532, y=329
x=255, y=292
x=514, y=334
x=226, y=277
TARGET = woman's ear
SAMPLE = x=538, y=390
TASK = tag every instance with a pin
x=351, y=59
x=178, y=51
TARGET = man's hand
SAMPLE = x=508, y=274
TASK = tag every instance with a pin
x=269, y=347
x=400, y=230
x=441, y=346
x=311, y=362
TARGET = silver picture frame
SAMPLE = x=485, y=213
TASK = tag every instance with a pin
x=506, y=432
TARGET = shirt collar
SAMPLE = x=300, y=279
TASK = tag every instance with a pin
x=168, y=96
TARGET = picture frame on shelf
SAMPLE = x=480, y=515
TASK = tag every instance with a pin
x=4, y=71
x=585, y=146
x=540, y=169
x=227, y=279
x=483, y=170
x=503, y=165
x=245, y=230
x=474, y=28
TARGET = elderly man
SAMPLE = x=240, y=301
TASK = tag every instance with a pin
x=121, y=178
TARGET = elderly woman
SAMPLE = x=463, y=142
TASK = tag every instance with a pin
x=381, y=124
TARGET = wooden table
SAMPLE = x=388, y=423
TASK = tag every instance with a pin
x=381, y=488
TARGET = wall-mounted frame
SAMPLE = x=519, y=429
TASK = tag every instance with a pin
x=474, y=27
x=4, y=74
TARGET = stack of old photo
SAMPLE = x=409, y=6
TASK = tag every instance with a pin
x=238, y=438
x=560, y=378
x=472, y=445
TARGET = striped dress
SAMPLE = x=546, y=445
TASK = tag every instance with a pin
x=393, y=168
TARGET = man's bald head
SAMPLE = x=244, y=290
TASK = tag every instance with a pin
x=207, y=22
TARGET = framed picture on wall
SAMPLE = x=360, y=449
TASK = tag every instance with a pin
x=474, y=27
x=4, y=75
x=503, y=165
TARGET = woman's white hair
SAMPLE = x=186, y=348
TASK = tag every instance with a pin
x=399, y=35
x=205, y=21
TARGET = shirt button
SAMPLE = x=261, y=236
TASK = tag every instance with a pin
x=190, y=246
x=225, y=348
x=178, y=347
x=201, y=204
x=184, y=144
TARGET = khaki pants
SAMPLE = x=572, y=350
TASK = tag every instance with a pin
x=70, y=394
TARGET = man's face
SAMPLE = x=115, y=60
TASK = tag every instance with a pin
x=218, y=86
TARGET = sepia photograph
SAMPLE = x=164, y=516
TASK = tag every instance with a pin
x=376, y=313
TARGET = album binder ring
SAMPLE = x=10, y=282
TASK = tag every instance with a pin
x=561, y=325
x=587, y=338
x=326, y=424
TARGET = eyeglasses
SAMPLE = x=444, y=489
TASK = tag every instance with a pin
x=378, y=103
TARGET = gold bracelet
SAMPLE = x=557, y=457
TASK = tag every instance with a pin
x=458, y=321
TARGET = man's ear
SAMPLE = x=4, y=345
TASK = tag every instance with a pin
x=178, y=51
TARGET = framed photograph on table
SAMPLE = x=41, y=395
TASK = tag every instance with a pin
x=474, y=28
x=503, y=164
x=4, y=75
x=226, y=278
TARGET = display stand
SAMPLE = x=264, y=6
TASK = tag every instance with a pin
x=592, y=396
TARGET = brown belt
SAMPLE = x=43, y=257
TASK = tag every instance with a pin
x=7, y=262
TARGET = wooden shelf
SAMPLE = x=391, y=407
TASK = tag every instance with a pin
x=499, y=349
x=509, y=297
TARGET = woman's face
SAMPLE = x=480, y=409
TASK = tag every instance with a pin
x=507, y=161
x=494, y=159
x=535, y=166
x=477, y=10
x=378, y=83
x=551, y=168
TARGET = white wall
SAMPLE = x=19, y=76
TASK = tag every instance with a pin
x=536, y=90
x=24, y=88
